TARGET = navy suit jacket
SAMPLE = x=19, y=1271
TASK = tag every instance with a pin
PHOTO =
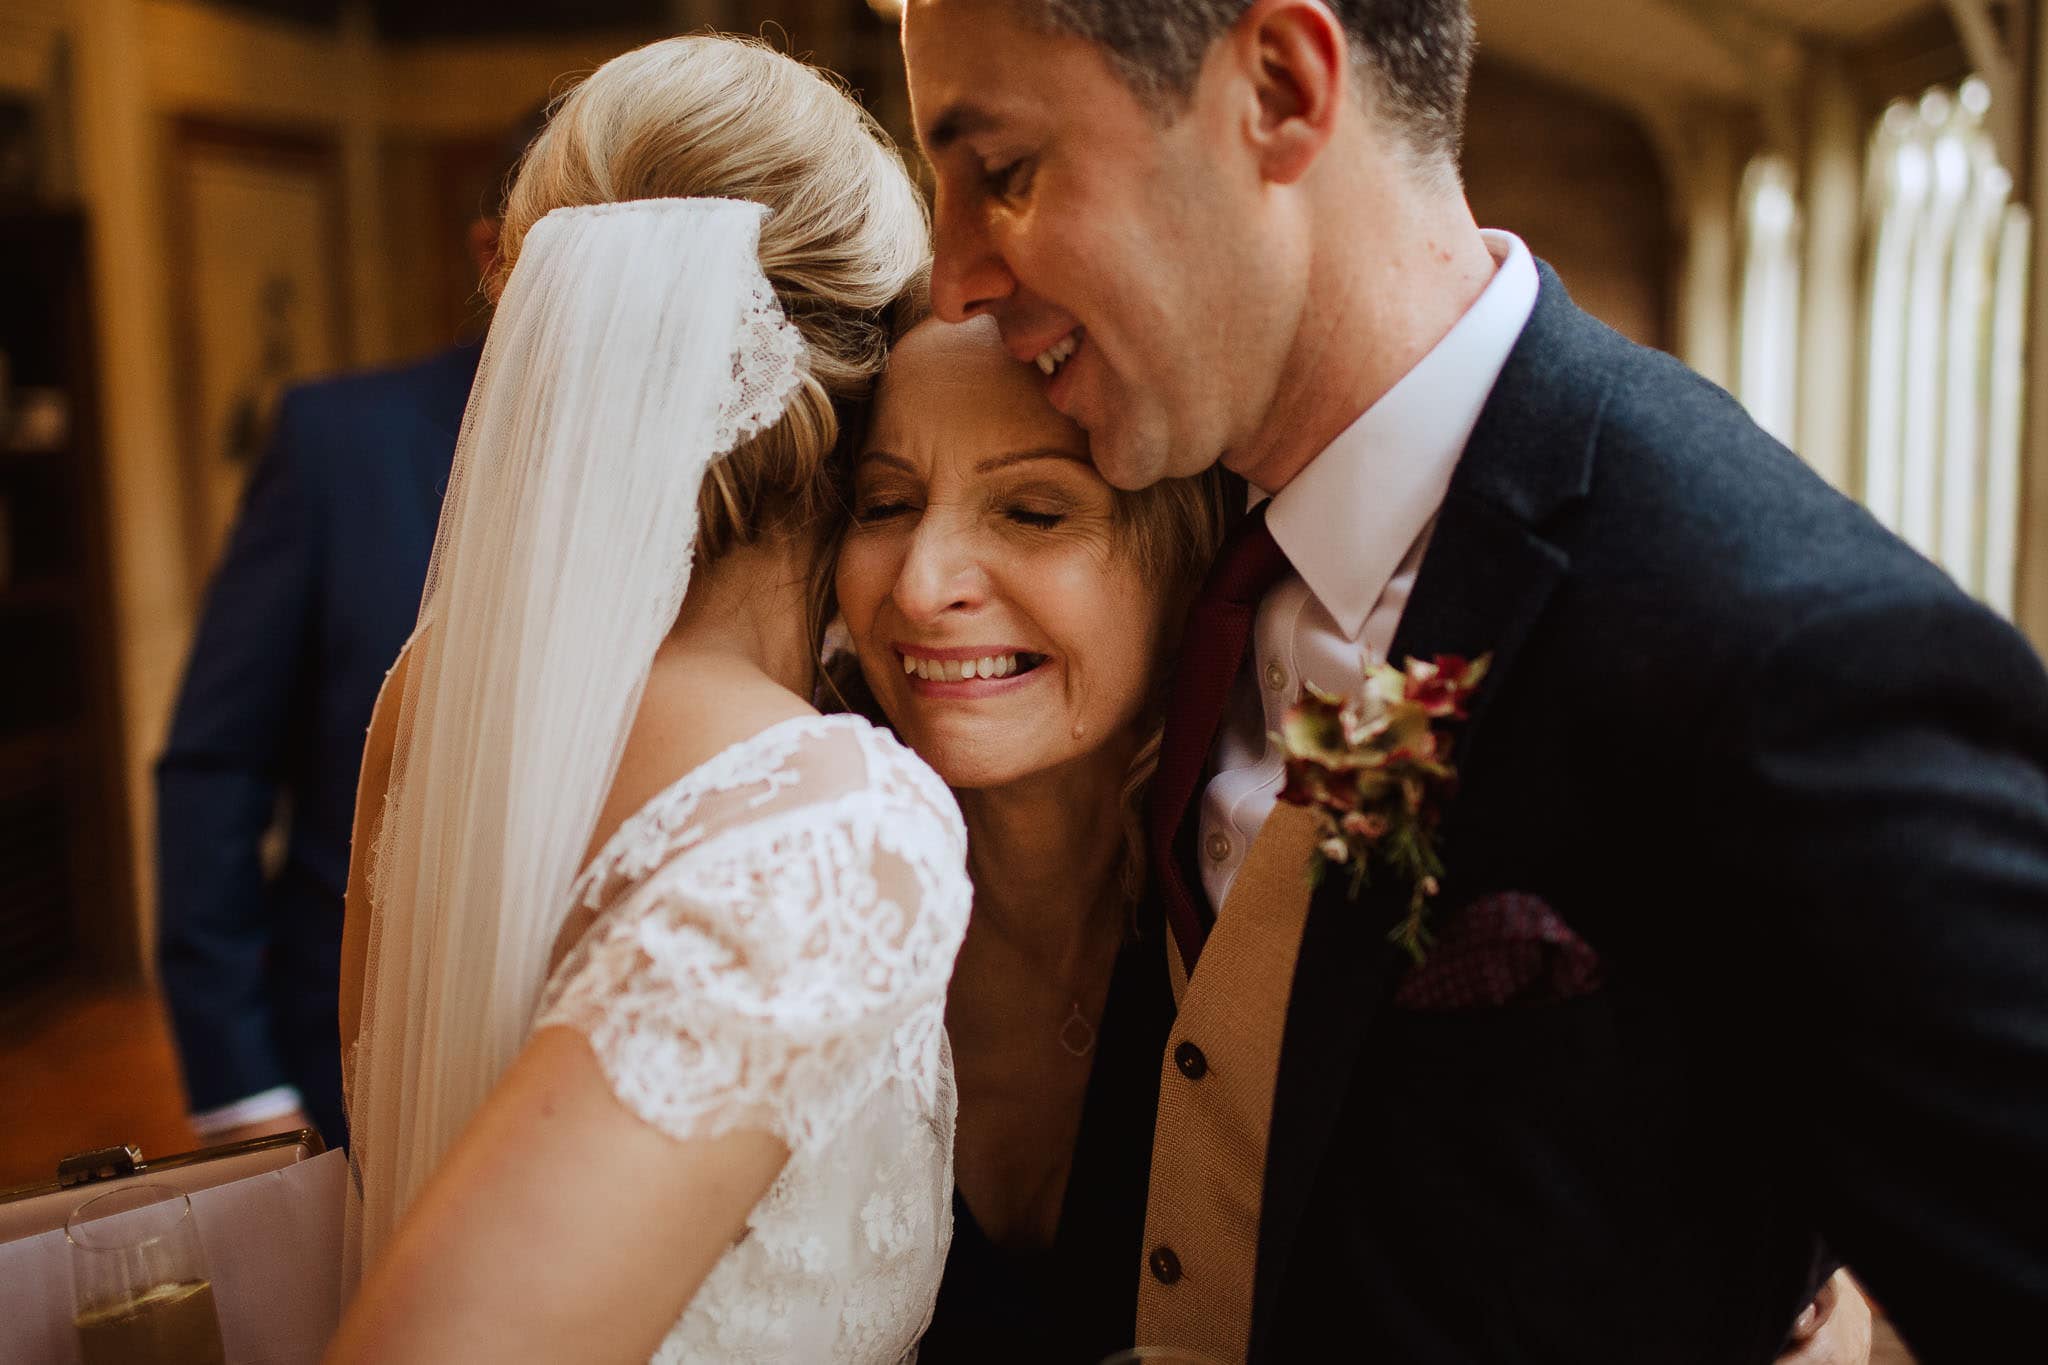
x=1791, y=784
x=313, y=599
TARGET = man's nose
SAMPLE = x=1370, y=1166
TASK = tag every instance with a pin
x=969, y=276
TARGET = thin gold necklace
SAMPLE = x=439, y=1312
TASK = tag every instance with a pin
x=1076, y=1035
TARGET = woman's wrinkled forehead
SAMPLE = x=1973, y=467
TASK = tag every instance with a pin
x=952, y=388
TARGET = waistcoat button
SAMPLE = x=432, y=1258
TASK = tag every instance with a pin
x=1165, y=1265
x=1191, y=1062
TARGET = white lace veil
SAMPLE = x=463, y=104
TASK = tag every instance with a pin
x=635, y=343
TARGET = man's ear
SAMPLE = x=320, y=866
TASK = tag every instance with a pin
x=1297, y=59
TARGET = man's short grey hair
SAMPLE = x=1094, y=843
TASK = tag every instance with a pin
x=1417, y=53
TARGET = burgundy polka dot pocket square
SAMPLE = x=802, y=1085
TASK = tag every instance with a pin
x=1503, y=950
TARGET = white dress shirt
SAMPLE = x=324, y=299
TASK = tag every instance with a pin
x=1354, y=525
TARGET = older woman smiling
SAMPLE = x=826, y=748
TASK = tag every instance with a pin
x=1012, y=613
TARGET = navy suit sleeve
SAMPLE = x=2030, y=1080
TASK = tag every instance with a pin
x=1887, y=802
x=239, y=715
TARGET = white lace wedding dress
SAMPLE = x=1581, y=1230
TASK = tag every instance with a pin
x=770, y=947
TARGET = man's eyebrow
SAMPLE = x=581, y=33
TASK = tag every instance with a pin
x=956, y=121
x=1017, y=457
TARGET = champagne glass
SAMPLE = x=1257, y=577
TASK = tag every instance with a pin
x=141, y=1291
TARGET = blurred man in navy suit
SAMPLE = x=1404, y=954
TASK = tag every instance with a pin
x=312, y=600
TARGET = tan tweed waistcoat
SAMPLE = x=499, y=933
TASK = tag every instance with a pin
x=1216, y=1102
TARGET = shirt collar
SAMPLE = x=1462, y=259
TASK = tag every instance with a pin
x=1348, y=520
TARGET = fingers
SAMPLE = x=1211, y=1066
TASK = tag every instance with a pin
x=1835, y=1329
x=1816, y=1314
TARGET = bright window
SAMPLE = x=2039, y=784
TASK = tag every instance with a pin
x=1944, y=339
x=1768, y=365
x=1943, y=331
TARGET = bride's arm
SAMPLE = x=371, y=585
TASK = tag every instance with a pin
x=708, y=1023
x=561, y=1226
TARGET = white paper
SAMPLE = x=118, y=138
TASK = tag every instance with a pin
x=273, y=1249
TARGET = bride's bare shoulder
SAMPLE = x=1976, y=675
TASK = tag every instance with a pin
x=693, y=710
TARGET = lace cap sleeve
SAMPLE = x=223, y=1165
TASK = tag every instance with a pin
x=776, y=942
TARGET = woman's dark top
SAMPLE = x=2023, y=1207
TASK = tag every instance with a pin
x=1076, y=1302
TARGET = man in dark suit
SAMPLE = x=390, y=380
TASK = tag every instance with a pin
x=1742, y=937
x=312, y=600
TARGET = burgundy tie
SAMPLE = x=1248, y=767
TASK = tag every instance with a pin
x=1212, y=649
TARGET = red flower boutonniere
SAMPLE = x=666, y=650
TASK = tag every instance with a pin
x=1376, y=770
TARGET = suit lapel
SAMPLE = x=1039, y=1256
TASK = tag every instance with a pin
x=1484, y=582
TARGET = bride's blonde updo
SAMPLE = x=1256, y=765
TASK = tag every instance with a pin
x=729, y=118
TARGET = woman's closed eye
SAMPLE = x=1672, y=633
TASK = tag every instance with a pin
x=1037, y=519
x=869, y=511
x=1048, y=501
